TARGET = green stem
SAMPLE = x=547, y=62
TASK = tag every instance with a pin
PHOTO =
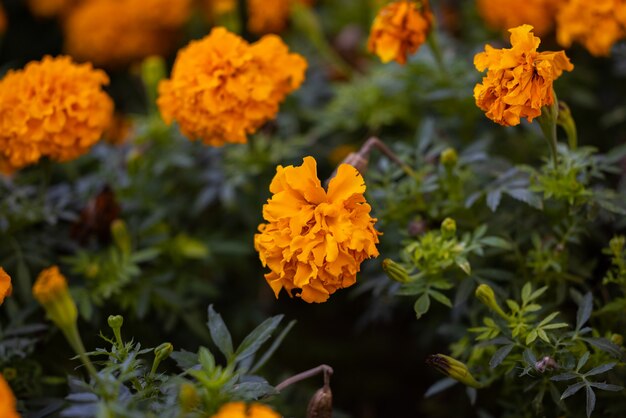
x=73, y=337
x=433, y=44
x=547, y=122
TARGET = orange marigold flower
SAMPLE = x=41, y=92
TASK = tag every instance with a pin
x=50, y=290
x=117, y=33
x=8, y=403
x=52, y=108
x=399, y=29
x=314, y=239
x=223, y=88
x=596, y=24
x=270, y=16
x=5, y=285
x=505, y=14
x=519, y=79
x=239, y=410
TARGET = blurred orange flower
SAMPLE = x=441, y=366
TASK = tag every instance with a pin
x=8, y=403
x=5, y=285
x=239, y=410
x=270, y=16
x=505, y=14
x=314, y=239
x=52, y=108
x=50, y=8
x=117, y=33
x=223, y=88
x=399, y=29
x=596, y=24
x=519, y=79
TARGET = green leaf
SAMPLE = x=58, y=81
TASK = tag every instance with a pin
x=497, y=242
x=582, y=361
x=606, y=386
x=440, y=386
x=548, y=319
x=526, y=291
x=591, y=401
x=206, y=359
x=532, y=336
x=219, y=333
x=464, y=265
x=257, y=337
x=572, y=389
x=584, y=311
x=500, y=355
x=605, y=345
x=422, y=304
x=537, y=293
x=441, y=298
x=600, y=369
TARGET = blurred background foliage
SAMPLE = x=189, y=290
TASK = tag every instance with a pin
x=155, y=227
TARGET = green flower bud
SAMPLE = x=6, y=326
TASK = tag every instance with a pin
x=395, y=271
x=454, y=369
x=161, y=353
x=121, y=236
x=449, y=158
x=152, y=71
x=617, y=339
x=115, y=321
x=448, y=227
x=486, y=295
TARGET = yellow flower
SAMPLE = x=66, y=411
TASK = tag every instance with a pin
x=5, y=285
x=52, y=108
x=8, y=403
x=519, y=79
x=270, y=16
x=399, y=29
x=117, y=33
x=50, y=290
x=453, y=368
x=223, y=88
x=239, y=410
x=504, y=14
x=596, y=24
x=314, y=239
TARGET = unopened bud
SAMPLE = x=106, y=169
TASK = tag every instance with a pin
x=115, y=321
x=395, y=271
x=449, y=158
x=486, y=295
x=453, y=369
x=448, y=227
x=163, y=351
x=189, y=397
x=617, y=339
x=321, y=404
x=121, y=235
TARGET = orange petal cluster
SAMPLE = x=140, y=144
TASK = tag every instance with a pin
x=315, y=240
x=52, y=108
x=399, y=29
x=240, y=410
x=596, y=24
x=117, y=33
x=5, y=285
x=223, y=88
x=8, y=403
x=519, y=79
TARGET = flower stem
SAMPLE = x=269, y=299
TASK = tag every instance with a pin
x=547, y=122
x=433, y=44
x=327, y=370
x=73, y=338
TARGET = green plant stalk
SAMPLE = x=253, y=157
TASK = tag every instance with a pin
x=73, y=338
x=433, y=44
x=548, y=121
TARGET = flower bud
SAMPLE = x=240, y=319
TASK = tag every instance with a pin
x=486, y=295
x=449, y=158
x=395, y=271
x=448, y=227
x=321, y=404
x=188, y=397
x=152, y=71
x=121, y=236
x=617, y=339
x=453, y=369
x=163, y=351
x=115, y=321
x=50, y=290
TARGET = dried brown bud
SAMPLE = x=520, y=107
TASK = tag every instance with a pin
x=321, y=404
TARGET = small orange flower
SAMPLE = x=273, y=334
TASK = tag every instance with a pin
x=596, y=24
x=118, y=33
x=399, y=29
x=519, y=79
x=314, y=239
x=505, y=14
x=5, y=285
x=223, y=88
x=239, y=410
x=8, y=403
x=50, y=290
x=52, y=108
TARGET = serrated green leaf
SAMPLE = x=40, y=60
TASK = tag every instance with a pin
x=219, y=333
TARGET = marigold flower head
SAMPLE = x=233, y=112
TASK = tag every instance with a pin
x=8, y=403
x=597, y=24
x=399, y=29
x=315, y=239
x=223, y=88
x=519, y=79
x=117, y=33
x=50, y=290
x=52, y=108
x=505, y=14
x=240, y=410
x=5, y=285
